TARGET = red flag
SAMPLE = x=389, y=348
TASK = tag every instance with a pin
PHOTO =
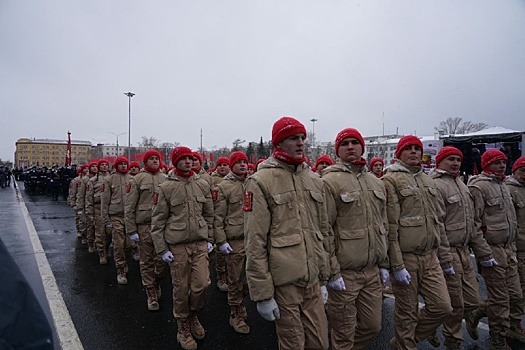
x=68, y=151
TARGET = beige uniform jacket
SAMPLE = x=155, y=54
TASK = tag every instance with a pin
x=495, y=214
x=112, y=196
x=139, y=200
x=182, y=212
x=285, y=228
x=80, y=203
x=517, y=191
x=457, y=210
x=93, y=188
x=215, y=179
x=206, y=177
x=356, y=206
x=229, y=217
x=74, y=185
x=413, y=215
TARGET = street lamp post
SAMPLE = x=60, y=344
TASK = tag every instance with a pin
x=313, y=120
x=130, y=95
x=116, y=135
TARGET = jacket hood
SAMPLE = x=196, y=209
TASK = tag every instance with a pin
x=272, y=162
x=511, y=180
x=399, y=166
x=345, y=167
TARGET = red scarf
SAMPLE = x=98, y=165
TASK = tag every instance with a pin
x=287, y=158
x=501, y=177
x=361, y=162
x=183, y=174
x=151, y=170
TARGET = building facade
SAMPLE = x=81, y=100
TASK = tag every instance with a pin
x=48, y=152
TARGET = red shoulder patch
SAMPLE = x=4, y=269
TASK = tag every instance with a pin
x=247, y=203
x=102, y=188
x=128, y=187
x=214, y=195
x=155, y=199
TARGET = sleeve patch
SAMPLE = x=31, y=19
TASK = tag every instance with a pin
x=247, y=203
x=128, y=187
x=102, y=188
x=214, y=195
x=155, y=199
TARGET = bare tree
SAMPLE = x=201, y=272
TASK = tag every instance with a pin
x=237, y=145
x=148, y=142
x=456, y=125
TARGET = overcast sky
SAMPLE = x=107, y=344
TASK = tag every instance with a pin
x=233, y=67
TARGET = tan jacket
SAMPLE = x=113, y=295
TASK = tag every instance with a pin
x=356, y=206
x=412, y=210
x=112, y=196
x=229, y=217
x=457, y=211
x=285, y=228
x=139, y=201
x=182, y=212
x=495, y=215
x=93, y=188
x=80, y=202
x=74, y=185
x=517, y=191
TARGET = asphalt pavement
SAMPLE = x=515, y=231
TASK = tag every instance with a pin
x=106, y=315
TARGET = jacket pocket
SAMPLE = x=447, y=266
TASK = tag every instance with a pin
x=287, y=260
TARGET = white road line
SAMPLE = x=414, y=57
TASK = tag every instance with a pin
x=66, y=330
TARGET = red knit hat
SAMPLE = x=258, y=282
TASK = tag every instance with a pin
x=102, y=160
x=285, y=127
x=491, y=156
x=251, y=166
x=197, y=155
x=180, y=152
x=134, y=164
x=324, y=158
x=222, y=160
x=119, y=160
x=346, y=133
x=375, y=160
x=519, y=163
x=407, y=141
x=236, y=157
x=447, y=151
x=149, y=153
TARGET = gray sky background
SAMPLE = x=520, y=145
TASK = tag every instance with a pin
x=233, y=67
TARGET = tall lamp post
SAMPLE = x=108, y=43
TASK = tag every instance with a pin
x=313, y=120
x=130, y=95
x=116, y=135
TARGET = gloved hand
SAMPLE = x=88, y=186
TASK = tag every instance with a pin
x=225, y=248
x=384, y=275
x=109, y=224
x=324, y=294
x=402, y=276
x=168, y=256
x=449, y=271
x=337, y=284
x=489, y=263
x=80, y=212
x=209, y=247
x=268, y=309
x=134, y=237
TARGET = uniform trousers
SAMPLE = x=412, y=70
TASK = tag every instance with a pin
x=121, y=241
x=102, y=236
x=235, y=267
x=152, y=267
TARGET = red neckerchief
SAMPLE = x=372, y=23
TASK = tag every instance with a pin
x=501, y=177
x=183, y=174
x=287, y=158
x=151, y=170
x=361, y=162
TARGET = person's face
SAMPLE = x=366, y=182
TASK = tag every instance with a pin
x=411, y=155
x=350, y=150
x=93, y=169
x=451, y=164
x=519, y=174
x=250, y=171
x=377, y=168
x=85, y=171
x=223, y=169
x=104, y=167
x=498, y=167
x=240, y=168
x=294, y=145
x=122, y=167
x=153, y=162
x=196, y=164
x=134, y=170
x=321, y=166
x=186, y=164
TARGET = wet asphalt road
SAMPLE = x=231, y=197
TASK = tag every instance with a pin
x=112, y=316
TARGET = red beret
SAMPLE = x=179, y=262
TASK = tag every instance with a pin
x=119, y=160
x=149, y=153
x=180, y=152
x=134, y=164
x=407, y=141
x=519, y=163
x=447, y=151
x=285, y=127
x=346, y=133
x=103, y=160
x=491, y=156
x=324, y=158
x=376, y=160
x=236, y=157
x=222, y=160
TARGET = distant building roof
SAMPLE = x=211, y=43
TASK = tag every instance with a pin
x=76, y=142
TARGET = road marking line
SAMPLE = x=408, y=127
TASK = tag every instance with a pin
x=67, y=333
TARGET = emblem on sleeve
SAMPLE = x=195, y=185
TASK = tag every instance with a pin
x=128, y=187
x=214, y=195
x=102, y=188
x=247, y=203
x=155, y=198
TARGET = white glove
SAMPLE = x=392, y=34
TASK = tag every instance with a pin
x=338, y=284
x=80, y=212
x=109, y=224
x=403, y=277
x=225, y=248
x=168, y=256
x=134, y=237
x=324, y=294
x=268, y=309
x=384, y=275
x=209, y=247
x=489, y=263
x=449, y=271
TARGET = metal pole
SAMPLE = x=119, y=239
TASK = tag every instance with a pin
x=130, y=95
x=313, y=120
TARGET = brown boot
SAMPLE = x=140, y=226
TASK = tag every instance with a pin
x=237, y=320
x=136, y=255
x=197, y=330
x=434, y=340
x=184, y=337
x=91, y=247
x=121, y=276
x=221, y=282
x=102, y=258
x=153, y=303
x=471, y=322
x=452, y=344
x=157, y=288
x=498, y=342
x=516, y=331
